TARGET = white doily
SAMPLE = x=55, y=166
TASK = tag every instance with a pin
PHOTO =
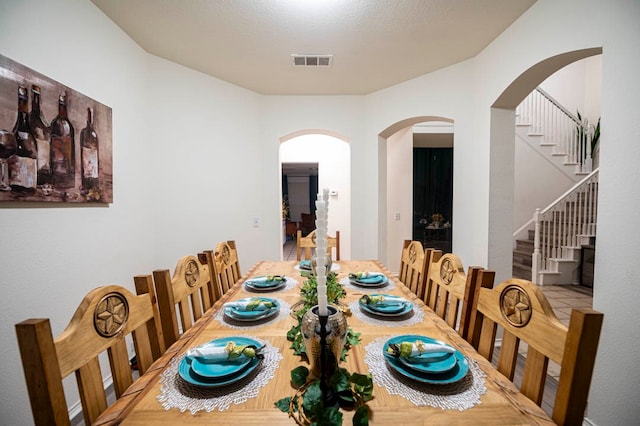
x=177, y=393
x=460, y=396
x=414, y=317
x=370, y=289
x=285, y=310
x=289, y=284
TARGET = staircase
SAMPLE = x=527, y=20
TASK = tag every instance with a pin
x=566, y=230
x=549, y=248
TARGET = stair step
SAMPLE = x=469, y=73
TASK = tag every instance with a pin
x=521, y=271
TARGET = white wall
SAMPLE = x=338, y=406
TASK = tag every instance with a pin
x=578, y=87
x=213, y=181
x=399, y=195
x=298, y=187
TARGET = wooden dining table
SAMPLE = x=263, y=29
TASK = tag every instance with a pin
x=501, y=404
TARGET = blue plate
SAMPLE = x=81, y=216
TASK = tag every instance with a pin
x=240, y=315
x=380, y=283
x=261, y=287
x=262, y=282
x=198, y=371
x=408, y=307
x=454, y=374
x=391, y=305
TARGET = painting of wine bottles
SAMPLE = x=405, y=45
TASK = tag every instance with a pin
x=55, y=143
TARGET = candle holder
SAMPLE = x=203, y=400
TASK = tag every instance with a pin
x=324, y=338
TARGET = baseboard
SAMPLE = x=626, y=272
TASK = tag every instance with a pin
x=75, y=411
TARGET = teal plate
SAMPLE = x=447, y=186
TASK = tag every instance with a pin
x=222, y=372
x=391, y=305
x=434, y=366
x=374, y=284
x=241, y=315
x=455, y=374
x=263, y=287
x=262, y=282
x=407, y=308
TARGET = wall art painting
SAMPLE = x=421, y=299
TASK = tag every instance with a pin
x=55, y=143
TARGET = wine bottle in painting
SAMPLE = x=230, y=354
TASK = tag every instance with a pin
x=62, y=148
x=7, y=149
x=89, y=152
x=23, y=165
x=42, y=133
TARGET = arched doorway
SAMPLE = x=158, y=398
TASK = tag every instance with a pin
x=502, y=152
x=396, y=209
x=332, y=153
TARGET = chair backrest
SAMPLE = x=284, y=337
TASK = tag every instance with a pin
x=450, y=292
x=226, y=266
x=308, y=243
x=521, y=310
x=104, y=318
x=189, y=288
x=412, y=266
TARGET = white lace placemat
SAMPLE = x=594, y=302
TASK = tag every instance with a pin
x=285, y=310
x=414, y=317
x=289, y=284
x=177, y=393
x=346, y=283
x=460, y=396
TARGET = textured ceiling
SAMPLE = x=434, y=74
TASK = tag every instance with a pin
x=375, y=43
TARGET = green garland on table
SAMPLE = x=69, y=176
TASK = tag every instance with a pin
x=352, y=390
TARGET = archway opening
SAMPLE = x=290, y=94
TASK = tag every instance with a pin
x=400, y=216
x=332, y=154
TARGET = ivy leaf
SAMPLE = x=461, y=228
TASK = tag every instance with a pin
x=283, y=404
x=312, y=400
x=299, y=375
x=329, y=417
x=339, y=380
x=291, y=334
x=346, y=397
x=353, y=338
x=363, y=385
x=361, y=416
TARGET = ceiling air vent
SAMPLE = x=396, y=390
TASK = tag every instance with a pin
x=312, y=60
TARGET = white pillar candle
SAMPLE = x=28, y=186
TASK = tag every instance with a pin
x=321, y=254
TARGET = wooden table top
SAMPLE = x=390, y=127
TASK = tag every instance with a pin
x=501, y=404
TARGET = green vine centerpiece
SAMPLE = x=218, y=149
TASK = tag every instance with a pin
x=310, y=405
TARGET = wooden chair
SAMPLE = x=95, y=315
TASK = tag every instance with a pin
x=226, y=267
x=412, y=266
x=189, y=289
x=104, y=318
x=309, y=242
x=450, y=292
x=521, y=310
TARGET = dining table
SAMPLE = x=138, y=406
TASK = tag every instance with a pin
x=483, y=396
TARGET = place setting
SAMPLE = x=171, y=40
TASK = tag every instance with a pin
x=251, y=312
x=306, y=265
x=367, y=280
x=218, y=373
x=269, y=283
x=425, y=371
x=385, y=309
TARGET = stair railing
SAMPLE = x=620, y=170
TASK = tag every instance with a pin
x=559, y=227
x=559, y=127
